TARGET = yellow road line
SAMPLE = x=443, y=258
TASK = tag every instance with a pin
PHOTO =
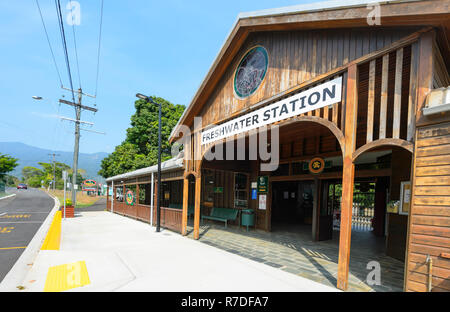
x=7, y=248
x=66, y=276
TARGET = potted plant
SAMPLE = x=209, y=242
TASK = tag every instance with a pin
x=70, y=209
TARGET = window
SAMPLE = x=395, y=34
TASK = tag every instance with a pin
x=240, y=190
x=145, y=194
x=208, y=186
x=119, y=193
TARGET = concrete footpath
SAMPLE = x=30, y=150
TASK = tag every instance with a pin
x=122, y=254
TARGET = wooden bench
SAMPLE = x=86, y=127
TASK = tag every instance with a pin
x=222, y=214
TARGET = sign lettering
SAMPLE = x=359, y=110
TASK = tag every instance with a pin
x=320, y=96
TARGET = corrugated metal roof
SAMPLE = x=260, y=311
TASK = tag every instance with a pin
x=316, y=6
x=169, y=165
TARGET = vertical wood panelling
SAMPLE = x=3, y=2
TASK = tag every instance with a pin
x=371, y=101
x=397, y=94
x=295, y=57
x=412, y=92
x=384, y=96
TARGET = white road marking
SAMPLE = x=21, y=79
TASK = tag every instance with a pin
x=2, y=214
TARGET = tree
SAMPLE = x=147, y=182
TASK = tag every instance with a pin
x=7, y=164
x=47, y=176
x=29, y=172
x=11, y=180
x=34, y=176
x=140, y=148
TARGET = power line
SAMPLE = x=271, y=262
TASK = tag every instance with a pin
x=75, y=44
x=49, y=44
x=99, y=44
x=64, y=44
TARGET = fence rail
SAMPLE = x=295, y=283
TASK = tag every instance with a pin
x=170, y=218
x=362, y=218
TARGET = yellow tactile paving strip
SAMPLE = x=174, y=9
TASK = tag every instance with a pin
x=67, y=276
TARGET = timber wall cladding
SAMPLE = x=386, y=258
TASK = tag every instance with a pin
x=296, y=57
x=430, y=215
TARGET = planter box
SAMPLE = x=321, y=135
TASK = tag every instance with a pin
x=70, y=211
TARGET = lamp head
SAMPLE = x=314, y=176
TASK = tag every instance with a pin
x=142, y=97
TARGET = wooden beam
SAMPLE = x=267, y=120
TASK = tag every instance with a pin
x=348, y=178
x=383, y=142
x=184, y=219
x=397, y=94
x=384, y=96
x=371, y=101
x=425, y=74
x=198, y=189
x=412, y=100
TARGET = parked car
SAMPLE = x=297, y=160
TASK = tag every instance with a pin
x=22, y=186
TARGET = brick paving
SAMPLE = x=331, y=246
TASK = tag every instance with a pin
x=293, y=251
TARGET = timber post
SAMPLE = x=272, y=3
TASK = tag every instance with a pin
x=185, y=206
x=348, y=178
x=198, y=188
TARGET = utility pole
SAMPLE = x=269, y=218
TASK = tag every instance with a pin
x=54, y=169
x=76, y=148
x=78, y=107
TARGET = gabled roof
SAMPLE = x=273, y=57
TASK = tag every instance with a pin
x=321, y=15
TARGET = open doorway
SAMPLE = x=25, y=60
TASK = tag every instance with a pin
x=292, y=204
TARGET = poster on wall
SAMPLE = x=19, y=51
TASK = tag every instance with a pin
x=262, y=202
x=263, y=185
x=405, y=198
x=130, y=198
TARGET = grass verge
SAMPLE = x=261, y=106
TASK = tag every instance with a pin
x=83, y=200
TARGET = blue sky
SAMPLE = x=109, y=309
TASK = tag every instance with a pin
x=162, y=48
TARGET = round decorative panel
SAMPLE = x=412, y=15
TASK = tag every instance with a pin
x=251, y=72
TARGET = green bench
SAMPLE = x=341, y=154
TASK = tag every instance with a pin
x=222, y=214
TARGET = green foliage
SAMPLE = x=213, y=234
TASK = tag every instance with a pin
x=34, y=176
x=140, y=148
x=30, y=172
x=7, y=164
x=34, y=181
x=68, y=202
x=11, y=180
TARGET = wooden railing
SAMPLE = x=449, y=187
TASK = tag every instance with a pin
x=362, y=218
x=170, y=218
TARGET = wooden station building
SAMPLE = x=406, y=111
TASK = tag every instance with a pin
x=363, y=115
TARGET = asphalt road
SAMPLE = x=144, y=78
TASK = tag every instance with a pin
x=20, y=218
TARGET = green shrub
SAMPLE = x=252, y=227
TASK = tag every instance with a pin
x=68, y=202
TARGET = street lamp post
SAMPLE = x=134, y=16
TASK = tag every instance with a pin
x=158, y=200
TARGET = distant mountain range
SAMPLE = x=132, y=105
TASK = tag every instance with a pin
x=31, y=156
